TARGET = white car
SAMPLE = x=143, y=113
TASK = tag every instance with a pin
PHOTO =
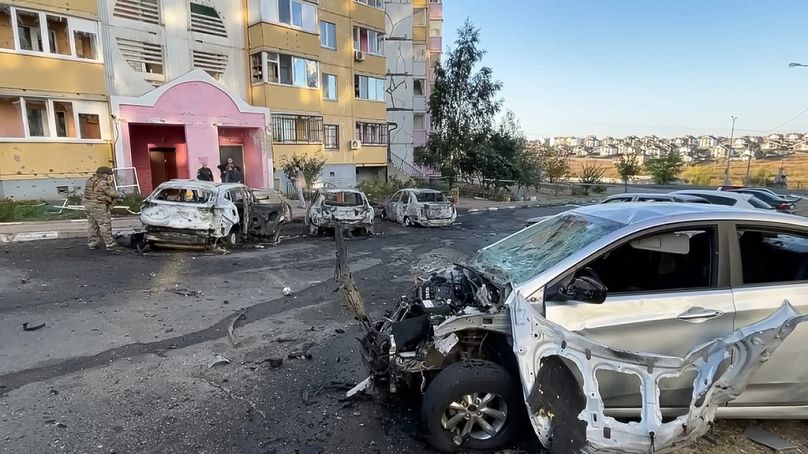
x=424, y=207
x=331, y=207
x=732, y=199
x=193, y=212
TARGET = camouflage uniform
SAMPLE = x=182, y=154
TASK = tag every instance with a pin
x=98, y=197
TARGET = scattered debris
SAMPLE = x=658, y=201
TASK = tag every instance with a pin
x=225, y=302
x=25, y=327
x=53, y=392
x=766, y=438
x=274, y=362
x=363, y=386
x=219, y=360
x=252, y=408
x=231, y=326
x=299, y=355
x=287, y=291
x=186, y=292
x=339, y=331
x=281, y=340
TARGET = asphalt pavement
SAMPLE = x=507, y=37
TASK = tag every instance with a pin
x=134, y=355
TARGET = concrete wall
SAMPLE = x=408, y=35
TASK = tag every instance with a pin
x=40, y=188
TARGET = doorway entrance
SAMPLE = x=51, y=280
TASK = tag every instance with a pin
x=232, y=151
x=163, y=163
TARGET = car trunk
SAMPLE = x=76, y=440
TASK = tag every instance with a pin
x=438, y=210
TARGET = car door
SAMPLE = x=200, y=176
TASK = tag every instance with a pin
x=771, y=266
x=668, y=291
x=400, y=206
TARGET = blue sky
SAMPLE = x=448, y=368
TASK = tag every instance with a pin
x=610, y=67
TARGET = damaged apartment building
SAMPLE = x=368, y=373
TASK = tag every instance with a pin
x=158, y=88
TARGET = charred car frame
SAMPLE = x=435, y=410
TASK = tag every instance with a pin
x=538, y=326
x=348, y=208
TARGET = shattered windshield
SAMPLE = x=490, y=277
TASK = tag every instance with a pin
x=343, y=199
x=184, y=195
x=430, y=197
x=535, y=249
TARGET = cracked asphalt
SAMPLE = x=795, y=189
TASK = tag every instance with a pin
x=135, y=355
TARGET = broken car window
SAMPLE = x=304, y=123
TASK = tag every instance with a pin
x=533, y=250
x=183, y=195
x=768, y=256
x=430, y=197
x=343, y=199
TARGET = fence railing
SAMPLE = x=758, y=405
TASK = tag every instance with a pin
x=408, y=169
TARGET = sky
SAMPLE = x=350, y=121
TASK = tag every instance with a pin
x=622, y=67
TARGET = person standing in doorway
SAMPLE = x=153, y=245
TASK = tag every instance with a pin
x=300, y=185
x=204, y=173
x=99, y=195
x=231, y=173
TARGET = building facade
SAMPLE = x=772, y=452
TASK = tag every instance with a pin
x=320, y=68
x=54, y=118
x=413, y=44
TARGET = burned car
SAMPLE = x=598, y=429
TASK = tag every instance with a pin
x=332, y=206
x=611, y=328
x=202, y=213
x=423, y=207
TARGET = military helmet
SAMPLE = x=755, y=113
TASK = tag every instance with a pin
x=103, y=170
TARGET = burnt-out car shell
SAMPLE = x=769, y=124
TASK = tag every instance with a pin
x=332, y=206
x=423, y=207
x=198, y=213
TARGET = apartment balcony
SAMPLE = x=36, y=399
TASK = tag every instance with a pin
x=435, y=11
x=435, y=44
x=419, y=103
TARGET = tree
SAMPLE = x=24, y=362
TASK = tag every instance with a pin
x=591, y=177
x=666, y=168
x=311, y=165
x=462, y=107
x=627, y=168
x=554, y=165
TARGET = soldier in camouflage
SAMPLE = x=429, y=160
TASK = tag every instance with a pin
x=99, y=195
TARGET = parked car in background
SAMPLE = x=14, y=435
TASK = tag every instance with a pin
x=332, y=206
x=727, y=198
x=793, y=198
x=653, y=197
x=774, y=200
x=201, y=213
x=424, y=207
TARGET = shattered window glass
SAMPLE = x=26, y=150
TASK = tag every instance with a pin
x=184, y=195
x=430, y=197
x=343, y=199
x=542, y=245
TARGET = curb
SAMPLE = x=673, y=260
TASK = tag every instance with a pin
x=536, y=205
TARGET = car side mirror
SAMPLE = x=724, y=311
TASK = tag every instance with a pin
x=586, y=289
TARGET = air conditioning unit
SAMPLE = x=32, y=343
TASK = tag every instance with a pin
x=359, y=55
x=356, y=144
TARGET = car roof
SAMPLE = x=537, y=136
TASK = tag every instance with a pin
x=422, y=190
x=357, y=191
x=728, y=194
x=634, y=213
x=638, y=194
x=179, y=183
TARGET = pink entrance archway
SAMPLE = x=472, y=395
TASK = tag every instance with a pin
x=190, y=118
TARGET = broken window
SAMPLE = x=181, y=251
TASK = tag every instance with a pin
x=213, y=63
x=11, y=117
x=274, y=68
x=368, y=41
x=305, y=72
x=146, y=58
x=770, y=256
x=85, y=45
x=58, y=35
x=36, y=112
x=28, y=31
x=6, y=32
x=65, y=120
x=184, y=195
x=257, y=68
x=331, y=137
x=418, y=87
x=89, y=126
x=430, y=197
x=342, y=199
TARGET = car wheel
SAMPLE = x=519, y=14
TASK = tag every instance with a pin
x=408, y=221
x=231, y=240
x=471, y=405
x=384, y=215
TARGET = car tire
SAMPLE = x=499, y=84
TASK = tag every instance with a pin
x=383, y=215
x=232, y=239
x=460, y=397
x=408, y=222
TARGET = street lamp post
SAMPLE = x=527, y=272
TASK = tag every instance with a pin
x=729, y=151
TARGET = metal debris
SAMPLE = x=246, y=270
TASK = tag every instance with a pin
x=231, y=326
x=25, y=327
x=186, y=292
x=766, y=438
x=219, y=360
x=363, y=386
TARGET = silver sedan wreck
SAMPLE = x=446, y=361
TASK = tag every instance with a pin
x=552, y=322
x=424, y=207
x=347, y=207
x=201, y=213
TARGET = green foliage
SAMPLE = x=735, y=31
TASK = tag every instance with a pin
x=666, y=168
x=378, y=191
x=761, y=178
x=8, y=210
x=133, y=201
x=311, y=165
x=591, y=177
x=462, y=107
x=555, y=166
x=627, y=168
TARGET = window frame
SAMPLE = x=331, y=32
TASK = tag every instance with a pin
x=326, y=142
x=292, y=128
x=736, y=255
x=49, y=121
x=358, y=87
x=378, y=132
x=74, y=25
x=357, y=41
x=302, y=5
x=325, y=78
x=378, y=4
x=273, y=65
x=333, y=28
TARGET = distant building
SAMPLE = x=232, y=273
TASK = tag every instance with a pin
x=708, y=141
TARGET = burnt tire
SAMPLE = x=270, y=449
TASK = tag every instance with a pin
x=408, y=222
x=462, y=389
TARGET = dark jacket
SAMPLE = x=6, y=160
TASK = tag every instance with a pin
x=204, y=174
x=234, y=175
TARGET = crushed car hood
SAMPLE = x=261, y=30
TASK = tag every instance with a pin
x=179, y=216
x=570, y=418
